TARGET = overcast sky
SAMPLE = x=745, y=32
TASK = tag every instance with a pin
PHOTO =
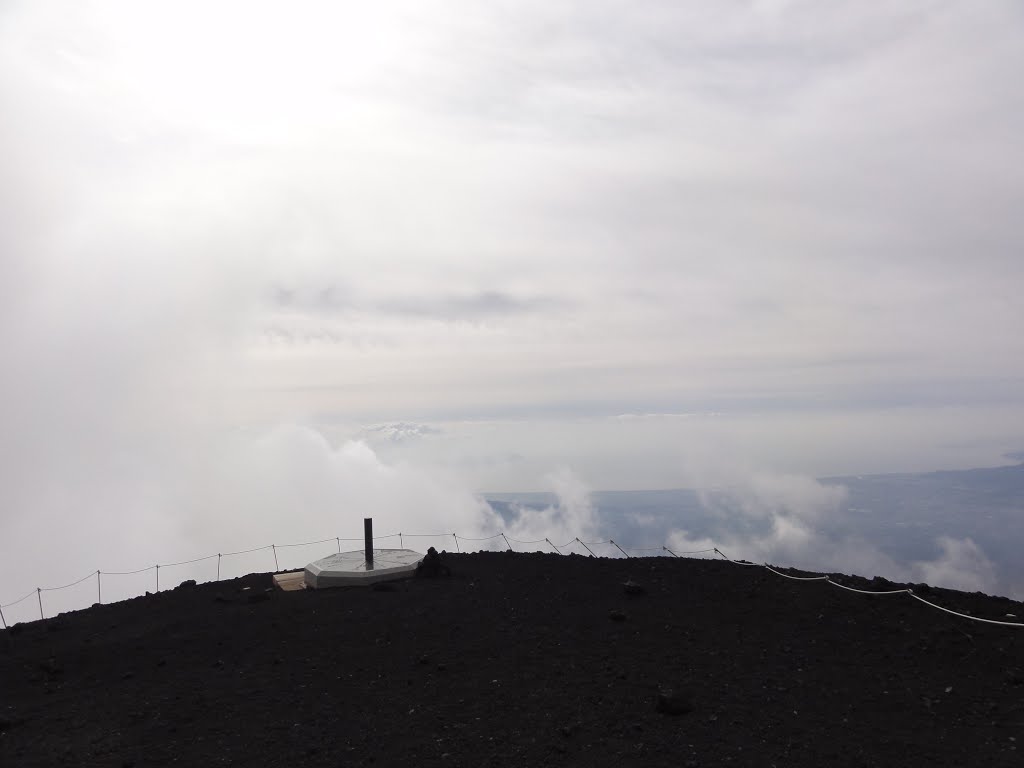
x=635, y=239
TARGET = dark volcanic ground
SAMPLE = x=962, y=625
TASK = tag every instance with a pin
x=520, y=660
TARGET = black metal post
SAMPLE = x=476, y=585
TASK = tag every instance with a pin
x=368, y=535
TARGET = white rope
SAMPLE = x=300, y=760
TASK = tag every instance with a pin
x=188, y=562
x=796, y=578
x=304, y=543
x=73, y=583
x=965, y=615
x=19, y=600
x=248, y=551
x=734, y=562
x=129, y=573
x=868, y=592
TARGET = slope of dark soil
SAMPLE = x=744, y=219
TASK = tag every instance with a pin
x=520, y=660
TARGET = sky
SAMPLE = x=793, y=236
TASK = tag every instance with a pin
x=488, y=246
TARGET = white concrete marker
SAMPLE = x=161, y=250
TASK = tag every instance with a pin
x=367, y=567
x=347, y=569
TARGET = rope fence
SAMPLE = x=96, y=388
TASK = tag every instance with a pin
x=905, y=591
x=558, y=548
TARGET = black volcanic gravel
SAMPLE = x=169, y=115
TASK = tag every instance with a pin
x=520, y=660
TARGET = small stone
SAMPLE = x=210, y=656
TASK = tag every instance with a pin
x=671, y=702
x=633, y=588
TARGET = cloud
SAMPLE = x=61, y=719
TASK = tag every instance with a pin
x=400, y=431
x=511, y=224
x=961, y=565
x=574, y=514
x=797, y=522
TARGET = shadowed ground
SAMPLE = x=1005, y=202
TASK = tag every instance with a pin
x=520, y=659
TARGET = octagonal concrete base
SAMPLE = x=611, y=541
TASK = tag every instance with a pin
x=347, y=569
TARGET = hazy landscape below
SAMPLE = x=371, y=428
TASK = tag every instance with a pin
x=960, y=529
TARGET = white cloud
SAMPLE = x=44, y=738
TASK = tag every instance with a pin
x=790, y=521
x=509, y=222
x=962, y=565
x=572, y=517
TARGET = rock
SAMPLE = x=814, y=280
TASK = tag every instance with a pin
x=632, y=588
x=187, y=583
x=431, y=566
x=671, y=702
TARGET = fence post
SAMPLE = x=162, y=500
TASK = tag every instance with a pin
x=401, y=544
x=456, y=543
x=39, y=596
x=670, y=551
x=506, y=541
x=553, y=546
x=585, y=546
x=99, y=589
x=368, y=540
x=619, y=548
x=2, y=618
x=338, y=539
x=158, y=578
x=276, y=566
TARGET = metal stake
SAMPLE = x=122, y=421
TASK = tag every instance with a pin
x=585, y=546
